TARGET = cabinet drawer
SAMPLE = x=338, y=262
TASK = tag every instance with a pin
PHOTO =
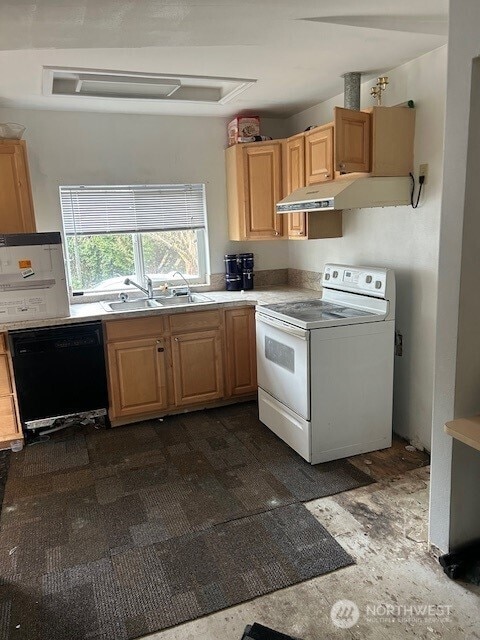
x=5, y=382
x=134, y=328
x=181, y=322
x=8, y=422
x=3, y=343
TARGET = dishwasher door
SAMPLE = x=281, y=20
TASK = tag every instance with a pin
x=59, y=370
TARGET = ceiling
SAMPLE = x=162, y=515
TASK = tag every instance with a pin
x=296, y=50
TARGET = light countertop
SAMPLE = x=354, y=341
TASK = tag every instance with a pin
x=84, y=312
x=467, y=430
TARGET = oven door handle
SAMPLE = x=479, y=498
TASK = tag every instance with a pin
x=303, y=334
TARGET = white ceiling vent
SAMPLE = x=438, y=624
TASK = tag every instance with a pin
x=95, y=83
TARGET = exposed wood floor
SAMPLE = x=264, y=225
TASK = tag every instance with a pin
x=384, y=527
x=391, y=462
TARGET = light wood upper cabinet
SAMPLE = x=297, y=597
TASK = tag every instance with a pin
x=308, y=159
x=319, y=155
x=352, y=140
x=16, y=204
x=393, y=137
x=137, y=376
x=9, y=423
x=254, y=186
x=240, y=351
x=378, y=140
x=197, y=367
x=294, y=178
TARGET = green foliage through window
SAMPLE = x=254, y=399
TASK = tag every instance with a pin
x=103, y=261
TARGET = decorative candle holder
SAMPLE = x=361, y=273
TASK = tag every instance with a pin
x=377, y=91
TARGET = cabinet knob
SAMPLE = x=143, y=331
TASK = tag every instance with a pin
x=342, y=165
x=160, y=349
x=176, y=339
x=276, y=233
x=327, y=175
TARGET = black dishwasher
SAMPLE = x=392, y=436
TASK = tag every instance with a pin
x=59, y=372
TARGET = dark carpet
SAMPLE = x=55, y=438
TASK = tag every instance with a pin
x=4, y=462
x=113, y=534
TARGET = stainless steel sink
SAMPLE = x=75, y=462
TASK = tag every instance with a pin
x=180, y=301
x=131, y=305
x=155, y=303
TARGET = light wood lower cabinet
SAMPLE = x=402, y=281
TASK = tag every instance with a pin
x=197, y=367
x=9, y=423
x=138, y=376
x=179, y=361
x=241, y=360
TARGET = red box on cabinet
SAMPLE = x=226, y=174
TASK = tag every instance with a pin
x=243, y=127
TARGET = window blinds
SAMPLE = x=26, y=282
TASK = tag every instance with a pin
x=132, y=209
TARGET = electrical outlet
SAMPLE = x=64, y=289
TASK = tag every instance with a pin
x=423, y=171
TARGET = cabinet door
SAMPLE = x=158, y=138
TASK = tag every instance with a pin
x=5, y=382
x=9, y=429
x=16, y=206
x=8, y=421
x=197, y=367
x=294, y=178
x=262, y=190
x=319, y=155
x=240, y=351
x=137, y=376
x=352, y=140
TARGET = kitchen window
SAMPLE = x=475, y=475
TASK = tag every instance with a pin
x=115, y=232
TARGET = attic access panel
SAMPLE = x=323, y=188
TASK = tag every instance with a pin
x=96, y=83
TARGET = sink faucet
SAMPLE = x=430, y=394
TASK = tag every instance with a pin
x=189, y=291
x=148, y=291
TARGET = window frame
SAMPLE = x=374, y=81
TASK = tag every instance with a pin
x=202, y=242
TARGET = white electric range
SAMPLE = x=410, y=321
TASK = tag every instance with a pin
x=325, y=367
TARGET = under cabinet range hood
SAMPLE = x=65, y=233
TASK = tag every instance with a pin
x=349, y=193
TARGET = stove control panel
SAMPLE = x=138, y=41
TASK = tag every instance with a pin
x=363, y=280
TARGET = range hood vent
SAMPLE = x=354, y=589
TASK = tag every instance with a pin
x=349, y=193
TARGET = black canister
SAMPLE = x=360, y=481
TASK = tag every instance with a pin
x=247, y=278
x=232, y=264
x=246, y=261
x=233, y=283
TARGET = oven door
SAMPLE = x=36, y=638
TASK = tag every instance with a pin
x=283, y=363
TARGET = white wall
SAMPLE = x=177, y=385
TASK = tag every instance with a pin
x=93, y=148
x=454, y=512
x=401, y=237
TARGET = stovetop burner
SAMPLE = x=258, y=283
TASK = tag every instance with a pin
x=315, y=310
